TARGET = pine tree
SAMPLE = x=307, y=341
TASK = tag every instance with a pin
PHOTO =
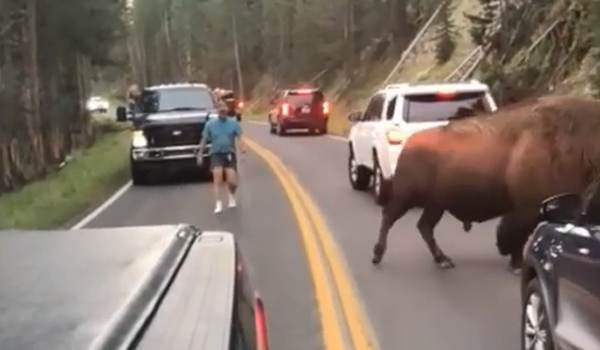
x=445, y=35
x=480, y=24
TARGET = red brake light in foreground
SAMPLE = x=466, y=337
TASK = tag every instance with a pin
x=260, y=320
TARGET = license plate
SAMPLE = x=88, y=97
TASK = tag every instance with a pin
x=306, y=109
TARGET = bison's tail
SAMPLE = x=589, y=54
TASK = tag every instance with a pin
x=385, y=193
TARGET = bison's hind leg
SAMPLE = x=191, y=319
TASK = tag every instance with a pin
x=467, y=226
x=426, y=225
x=390, y=213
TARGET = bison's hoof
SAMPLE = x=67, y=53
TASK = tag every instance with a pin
x=378, y=251
x=444, y=262
x=467, y=226
x=376, y=260
x=515, y=270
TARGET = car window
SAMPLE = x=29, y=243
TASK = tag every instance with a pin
x=436, y=107
x=302, y=98
x=163, y=100
x=374, y=108
x=391, y=108
x=243, y=335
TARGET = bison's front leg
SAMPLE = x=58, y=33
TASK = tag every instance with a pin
x=426, y=224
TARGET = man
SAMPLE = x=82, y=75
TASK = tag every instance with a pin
x=133, y=99
x=224, y=134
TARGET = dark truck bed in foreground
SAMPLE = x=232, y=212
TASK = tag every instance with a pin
x=152, y=287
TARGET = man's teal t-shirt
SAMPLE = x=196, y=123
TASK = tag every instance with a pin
x=221, y=134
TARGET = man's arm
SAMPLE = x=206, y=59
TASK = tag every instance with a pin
x=204, y=138
x=240, y=146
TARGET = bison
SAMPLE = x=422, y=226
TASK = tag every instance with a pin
x=483, y=167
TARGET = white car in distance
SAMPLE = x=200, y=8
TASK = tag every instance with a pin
x=97, y=104
x=378, y=134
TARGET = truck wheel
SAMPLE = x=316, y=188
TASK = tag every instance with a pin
x=359, y=176
x=139, y=177
x=324, y=127
x=281, y=130
x=377, y=179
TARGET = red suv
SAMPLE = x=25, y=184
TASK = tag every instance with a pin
x=299, y=109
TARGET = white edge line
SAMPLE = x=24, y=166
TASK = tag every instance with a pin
x=333, y=137
x=99, y=210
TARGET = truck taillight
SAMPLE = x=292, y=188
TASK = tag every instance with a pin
x=260, y=321
x=394, y=136
x=285, y=109
x=325, y=108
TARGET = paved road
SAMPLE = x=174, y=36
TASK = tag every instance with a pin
x=266, y=231
x=410, y=303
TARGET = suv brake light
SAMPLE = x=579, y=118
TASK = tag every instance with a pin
x=325, y=108
x=394, y=136
x=446, y=94
x=262, y=340
x=285, y=109
x=304, y=91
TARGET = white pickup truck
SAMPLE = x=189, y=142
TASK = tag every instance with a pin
x=393, y=114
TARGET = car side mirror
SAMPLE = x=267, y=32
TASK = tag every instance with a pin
x=121, y=114
x=354, y=116
x=562, y=208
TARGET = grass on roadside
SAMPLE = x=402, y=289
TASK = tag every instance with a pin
x=93, y=174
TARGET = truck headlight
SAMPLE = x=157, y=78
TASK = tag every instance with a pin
x=138, y=139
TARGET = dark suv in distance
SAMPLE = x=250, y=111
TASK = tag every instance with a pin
x=168, y=128
x=144, y=288
x=299, y=109
x=560, y=283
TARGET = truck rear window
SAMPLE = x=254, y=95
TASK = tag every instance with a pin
x=423, y=108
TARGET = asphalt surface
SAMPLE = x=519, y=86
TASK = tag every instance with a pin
x=266, y=231
x=411, y=303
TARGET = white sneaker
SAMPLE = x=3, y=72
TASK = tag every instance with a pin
x=218, y=207
x=232, y=202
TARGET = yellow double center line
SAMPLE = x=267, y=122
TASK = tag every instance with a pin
x=347, y=328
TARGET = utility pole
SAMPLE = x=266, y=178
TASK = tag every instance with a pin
x=236, y=52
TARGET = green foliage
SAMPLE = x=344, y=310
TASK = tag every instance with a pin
x=480, y=22
x=594, y=21
x=91, y=175
x=289, y=40
x=445, y=37
x=49, y=52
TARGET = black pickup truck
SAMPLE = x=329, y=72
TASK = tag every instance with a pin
x=168, y=123
x=128, y=288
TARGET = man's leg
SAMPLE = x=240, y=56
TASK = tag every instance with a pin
x=231, y=176
x=216, y=162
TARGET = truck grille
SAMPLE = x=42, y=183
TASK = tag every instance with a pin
x=173, y=135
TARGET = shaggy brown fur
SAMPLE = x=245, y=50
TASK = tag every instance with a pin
x=486, y=166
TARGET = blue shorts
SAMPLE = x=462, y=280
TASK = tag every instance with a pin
x=223, y=160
